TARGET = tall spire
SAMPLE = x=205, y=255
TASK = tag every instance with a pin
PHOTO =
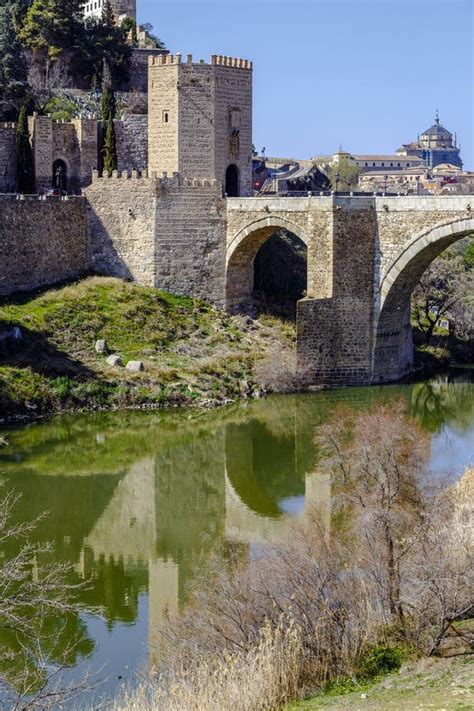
x=437, y=118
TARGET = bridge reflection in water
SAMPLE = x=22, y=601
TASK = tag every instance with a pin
x=239, y=484
x=137, y=500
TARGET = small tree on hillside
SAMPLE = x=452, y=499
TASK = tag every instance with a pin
x=24, y=155
x=110, y=147
x=344, y=176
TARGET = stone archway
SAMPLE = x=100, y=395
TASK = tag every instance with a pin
x=241, y=253
x=393, y=345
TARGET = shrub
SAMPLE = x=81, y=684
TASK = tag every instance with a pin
x=381, y=659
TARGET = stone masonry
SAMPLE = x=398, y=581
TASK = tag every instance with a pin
x=7, y=158
x=42, y=241
x=200, y=117
x=166, y=232
x=365, y=256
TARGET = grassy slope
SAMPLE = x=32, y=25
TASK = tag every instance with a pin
x=191, y=351
x=431, y=683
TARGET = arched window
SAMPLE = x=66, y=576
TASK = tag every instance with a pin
x=232, y=181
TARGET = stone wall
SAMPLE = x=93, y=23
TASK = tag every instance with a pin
x=190, y=235
x=132, y=142
x=42, y=241
x=168, y=233
x=138, y=72
x=75, y=143
x=7, y=158
x=121, y=214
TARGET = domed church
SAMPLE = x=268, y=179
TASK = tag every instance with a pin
x=435, y=146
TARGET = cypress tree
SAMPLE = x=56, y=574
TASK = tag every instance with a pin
x=13, y=71
x=108, y=105
x=110, y=147
x=24, y=155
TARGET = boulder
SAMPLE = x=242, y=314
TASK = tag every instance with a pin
x=100, y=346
x=15, y=334
x=114, y=360
x=135, y=365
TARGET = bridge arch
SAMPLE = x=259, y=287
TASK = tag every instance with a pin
x=393, y=345
x=242, y=249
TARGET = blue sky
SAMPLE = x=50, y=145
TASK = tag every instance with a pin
x=367, y=74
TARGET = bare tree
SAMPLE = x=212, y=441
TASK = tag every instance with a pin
x=46, y=80
x=445, y=290
x=36, y=602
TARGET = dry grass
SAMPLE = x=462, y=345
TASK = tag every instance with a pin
x=278, y=371
x=263, y=678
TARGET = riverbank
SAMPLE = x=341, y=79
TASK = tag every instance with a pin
x=427, y=683
x=183, y=351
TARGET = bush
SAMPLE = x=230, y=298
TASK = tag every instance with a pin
x=279, y=373
x=381, y=659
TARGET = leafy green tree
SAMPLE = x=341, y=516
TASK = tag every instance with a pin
x=469, y=255
x=110, y=147
x=344, y=175
x=130, y=27
x=102, y=40
x=24, y=154
x=13, y=71
x=19, y=10
x=39, y=32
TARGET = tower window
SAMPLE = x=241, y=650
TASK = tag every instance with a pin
x=166, y=116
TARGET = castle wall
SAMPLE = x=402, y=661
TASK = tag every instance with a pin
x=7, y=158
x=233, y=111
x=132, y=142
x=138, y=70
x=75, y=143
x=168, y=233
x=163, y=108
x=42, y=241
x=121, y=215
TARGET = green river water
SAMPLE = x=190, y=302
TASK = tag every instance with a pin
x=135, y=498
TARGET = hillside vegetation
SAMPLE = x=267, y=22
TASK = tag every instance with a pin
x=192, y=353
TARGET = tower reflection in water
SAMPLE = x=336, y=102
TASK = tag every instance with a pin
x=135, y=501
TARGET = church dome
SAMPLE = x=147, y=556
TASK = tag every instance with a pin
x=437, y=131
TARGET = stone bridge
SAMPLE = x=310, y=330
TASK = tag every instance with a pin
x=365, y=256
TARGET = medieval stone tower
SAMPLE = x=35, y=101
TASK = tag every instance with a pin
x=200, y=120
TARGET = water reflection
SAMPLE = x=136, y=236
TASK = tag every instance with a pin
x=135, y=499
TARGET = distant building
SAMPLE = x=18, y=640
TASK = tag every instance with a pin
x=434, y=146
x=376, y=162
x=121, y=8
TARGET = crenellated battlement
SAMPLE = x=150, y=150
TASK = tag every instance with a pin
x=153, y=177
x=217, y=60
